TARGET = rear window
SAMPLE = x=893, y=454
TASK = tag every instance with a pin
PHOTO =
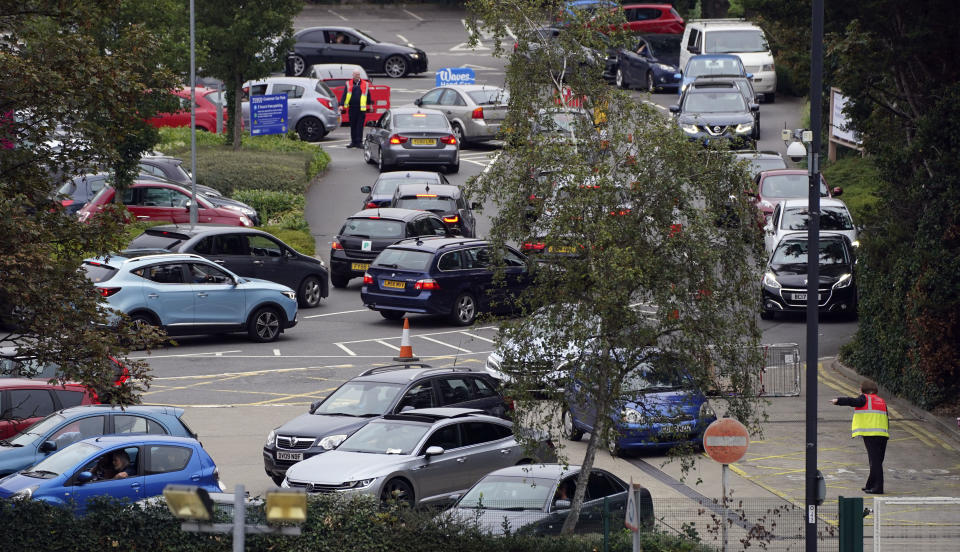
x=420, y=121
x=372, y=228
x=489, y=97
x=98, y=272
x=157, y=240
x=788, y=185
x=389, y=185
x=404, y=259
x=435, y=204
x=69, y=398
x=324, y=90
x=735, y=42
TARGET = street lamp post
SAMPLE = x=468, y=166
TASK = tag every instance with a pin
x=193, y=124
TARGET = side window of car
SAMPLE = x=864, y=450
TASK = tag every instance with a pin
x=418, y=396
x=166, y=458
x=449, y=261
x=91, y=426
x=432, y=97
x=170, y=273
x=475, y=433
x=262, y=246
x=28, y=403
x=694, y=39
x=447, y=437
x=204, y=246
x=201, y=273
x=483, y=389
x=314, y=37
x=291, y=90
x=436, y=226
x=385, y=120
x=103, y=469
x=69, y=398
x=600, y=486
x=126, y=423
x=231, y=245
x=510, y=258
x=258, y=90
x=479, y=257
x=454, y=390
x=451, y=97
x=129, y=196
x=776, y=216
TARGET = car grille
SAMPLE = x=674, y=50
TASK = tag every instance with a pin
x=823, y=296
x=316, y=487
x=354, y=254
x=714, y=130
x=290, y=442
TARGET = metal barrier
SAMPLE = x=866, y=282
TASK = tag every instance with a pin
x=780, y=374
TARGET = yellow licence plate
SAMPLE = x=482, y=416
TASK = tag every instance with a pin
x=394, y=284
x=561, y=249
x=360, y=266
x=423, y=141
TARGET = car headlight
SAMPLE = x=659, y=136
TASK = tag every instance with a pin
x=271, y=438
x=770, y=281
x=767, y=67
x=844, y=281
x=331, y=442
x=706, y=411
x=26, y=492
x=414, y=56
x=744, y=128
x=666, y=67
x=359, y=483
x=631, y=416
x=292, y=295
x=240, y=209
x=855, y=243
x=690, y=129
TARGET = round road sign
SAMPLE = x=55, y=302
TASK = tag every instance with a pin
x=726, y=440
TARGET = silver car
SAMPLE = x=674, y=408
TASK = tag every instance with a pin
x=792, y=215
x=411, y=136
x=312, y=108
x=417, y=457
x=475, y=111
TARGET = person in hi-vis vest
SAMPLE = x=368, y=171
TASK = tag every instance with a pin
x=356, y=98
x=871, y=422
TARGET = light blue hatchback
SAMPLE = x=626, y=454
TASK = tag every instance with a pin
x=187, y=294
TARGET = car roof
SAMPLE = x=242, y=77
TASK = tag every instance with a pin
x=390, y=213
x=122, y=260
x=471, y=87
x=749, y=154
x=389, y=175
x=403, y=373
x=434, y=415
x=438, y=189
x=18, y=383
x=111, y=440
x=548, y=471
x=202, y=229
x=435, y=243
x=775, y=172
x=406, y=110
x=804, y=202
x=712, y=85
x=142, y=408
x=306, y=81
x=802, y=235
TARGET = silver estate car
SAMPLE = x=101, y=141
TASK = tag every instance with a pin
x=312, y=108
x=417, y=457
x=411, y=136
x=475, y=111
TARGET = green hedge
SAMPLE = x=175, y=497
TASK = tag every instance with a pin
x=271, y=205
x=299, y=239
x=859, y=178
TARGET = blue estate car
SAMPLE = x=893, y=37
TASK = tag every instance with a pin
x=651, y=65
x=447, y=276
x=80, y=472
x=714, y=65
x=65, y=427
x=186, y=293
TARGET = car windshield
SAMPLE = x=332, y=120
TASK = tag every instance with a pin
x=37, y=430
x=336, y=82
x=372, y=228
x=648, y=379
x=714, y=102
x=489, y=96
x=385, y=438
x=217, y=98
x=559, y=121
x=831, y=218
x=698, y=67
x=423, y=203
x=98, y=272
x=324, y=90
x=739, y=42
x=665, y=48
x=406, y=122
x=27, y=368
x=758, y=165
x=64, y=460
x=789, y=185
x=502, y=492
x=795, y=252
x=360, y=398
x=68, y=187
x=404, y=259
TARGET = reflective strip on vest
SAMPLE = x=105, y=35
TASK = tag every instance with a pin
x=363, y=95
x=871, y=419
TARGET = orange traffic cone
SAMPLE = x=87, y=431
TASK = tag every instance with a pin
x=406, y=351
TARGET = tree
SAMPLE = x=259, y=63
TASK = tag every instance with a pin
x=244, y=40
x=658, y=250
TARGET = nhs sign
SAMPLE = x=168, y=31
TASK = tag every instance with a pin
x=455, y=75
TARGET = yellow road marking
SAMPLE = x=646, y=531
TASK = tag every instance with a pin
x=311, y=395
x=251, y=373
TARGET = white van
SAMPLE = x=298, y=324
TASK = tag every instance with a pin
x=733, y=36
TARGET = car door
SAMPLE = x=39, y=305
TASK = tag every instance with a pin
x=312, y=45
x=219, y=299
x=270, y=261
x=432, y=98
x=439, y=476
x=600, y=486
x=488, y=446
x=478, y=276
x=516, y=274
x=76, y=430
x=165, y=464
x=162, y=203
x=130, y=424
x=295, y=101
x=453, y=105
x=167, y=293
x=467, y=221
x=465, y=391
x=771, y=229
x=231, y=251
x=378, y=132
x=129, y=488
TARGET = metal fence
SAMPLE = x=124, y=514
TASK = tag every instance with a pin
x=931, y=524
x=780, y=374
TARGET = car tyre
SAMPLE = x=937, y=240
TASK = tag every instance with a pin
x=651, y=86
x=339, y=281
x=570, y=431
x=453, y=169
x=310, y=292
x=392, y=314
x=264, y=325
x=139, y=319
x=464, y=309
x=395, y=67
x=766, y=314
x=298, y=66
x=612, y=447
x=458, y=133
x=311, y=129
x=770, y=98
x=619, y=80
x=399, y=490
x=380, y=164
x=367, y=156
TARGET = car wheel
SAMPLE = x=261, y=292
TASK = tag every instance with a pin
x=395, y=67
x=651, y=87
x=380, y=164
x=311, y=129
x=297, y=66
x=766, y=314
x=392, y=314
x=770, y=98
x=398, y=490
x=619, y=80
x=277, y=479
x=141, y=319
x=453, y=169
x=366, y=155
x=339, y=281
x=310, y=292
x=458, y=133
x=264, y=325
x=570, y=431
x=464, y=310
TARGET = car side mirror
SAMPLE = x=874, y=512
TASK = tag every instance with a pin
x=314, y=405
x=837, y=191
x=418, y=101
x=674, y=109
x=84, y=477
x=749, y=75
x=365, y=189
x=474, y=206
x=48, y=446
x=433, y=451
x=454, y=497
x=370, y=123
x=187, y=205
x=754, y=107
x=362, y=44
x=561, y=504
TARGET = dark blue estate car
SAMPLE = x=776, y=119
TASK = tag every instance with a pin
x=452, y=277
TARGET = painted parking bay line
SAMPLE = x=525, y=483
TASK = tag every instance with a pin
x=474, y=336
x=461, y=349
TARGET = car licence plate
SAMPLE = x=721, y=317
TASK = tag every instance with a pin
x=423, y=142
x=360, y=266
x=394, y=284
x=566, y=249
x=291, y=456
x=803, y=297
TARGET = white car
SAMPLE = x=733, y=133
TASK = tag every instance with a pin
x=336, y=74
x=733, y=36
x=793, y=215
x=312, y=108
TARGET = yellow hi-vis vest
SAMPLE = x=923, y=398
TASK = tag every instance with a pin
x=363, y=95
x=871, y=418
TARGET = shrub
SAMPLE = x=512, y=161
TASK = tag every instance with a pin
x=270, y=205
x=301, y=240
x=858, y=176
x=230, y=171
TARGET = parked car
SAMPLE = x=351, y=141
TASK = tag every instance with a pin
x=383, y=390
x=745, y=86
x=243, y=251
x=365, y=234
x=792, y=215
x=348, y=45
x=760, y=161
x=784, y=287
x=720, y=65
x=76, y=192
x=451, y=277
x=313, y=110
x=583, y=9
x=651, y=64
x=163, y=201
x=24, y=402
x=715, y=112
x=208, y=101
x=184, y=293
x=652, y=18
x=530, y=499
x=475, y=111
x=381, y=193
x=417, y=457
x=412, y=136
x=732, y=36
x=13, y=364
x=771, y=187
x=446, y=201
x=338, y=75
x=80, y=472
x=62, y=428
x=172, y=169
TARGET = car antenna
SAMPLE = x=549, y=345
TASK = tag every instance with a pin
x=427, y=188
x=456, y=357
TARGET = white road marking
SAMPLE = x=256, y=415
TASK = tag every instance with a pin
x=276, y=352
x=213, y=353
x=335, y=313
x=510, y=32
x=385, y=344
x=250, y=373
x=413, y=15
x=338, y=15
x=468, y=334
x=464, y=47
x=479, y=67
x=461, y=349
x=403, y=38
x=345, y=349
x=494, y=328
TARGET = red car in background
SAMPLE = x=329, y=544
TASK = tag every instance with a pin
x=652, y=18
x=23, y=402
x=337, y=75
x=208, y=101
x=769, y=187
x=162, y=201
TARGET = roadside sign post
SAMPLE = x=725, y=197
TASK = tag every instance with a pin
x=726, y=441
x=268, y=114
x=632, y=517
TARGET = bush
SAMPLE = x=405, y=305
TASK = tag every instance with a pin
x=270, y=205
x=301, y=240
x=858, y=176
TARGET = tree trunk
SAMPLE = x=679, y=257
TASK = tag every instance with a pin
x=712, y=9
x=236, y=112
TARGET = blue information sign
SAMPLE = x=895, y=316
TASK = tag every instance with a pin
x=268, y=114
x=455, y=75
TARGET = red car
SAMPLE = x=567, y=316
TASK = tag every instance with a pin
x=652, y=18
x=208, y=101
x=769, y=187
x=23, y=402
x=151, y=200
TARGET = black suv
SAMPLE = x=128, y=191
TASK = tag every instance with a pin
x=365, y=234
x=716, y=111
x=375, y=392
x=243, y=251
x=446, y=201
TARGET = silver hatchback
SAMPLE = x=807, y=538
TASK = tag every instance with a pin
x=312, y=108
x=475, y=111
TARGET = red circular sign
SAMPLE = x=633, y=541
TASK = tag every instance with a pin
x=726, y=440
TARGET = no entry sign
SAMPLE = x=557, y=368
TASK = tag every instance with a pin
x=726, y=440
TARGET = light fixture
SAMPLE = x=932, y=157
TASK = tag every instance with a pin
x=188, y=502
x=287, y=505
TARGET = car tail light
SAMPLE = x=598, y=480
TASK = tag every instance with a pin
x=426, y=195
x=449, y=139
x=620, y=212
x=534, y=246
x=397, y=139
x=367, y=279
x=675, y=229
x=426, y=285
x=452, y=220
x=325, y=102
x=477, y=113
x=107, y=292
x=516, y=46
x=509, y=403
x=336, y=245
x=372, y=205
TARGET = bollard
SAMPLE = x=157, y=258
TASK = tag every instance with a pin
x=851, y=524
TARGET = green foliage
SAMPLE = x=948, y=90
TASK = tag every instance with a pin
x=860, y=180
x=270, y=205
x=230, y=171
x=299, y=239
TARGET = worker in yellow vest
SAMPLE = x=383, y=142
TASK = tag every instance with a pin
x=356, y=99
x=871, y=422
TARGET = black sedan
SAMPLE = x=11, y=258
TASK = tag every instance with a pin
x=652, y=64
x=244, y=251
x=784, y=286
x=716, y=111
x=349, y=45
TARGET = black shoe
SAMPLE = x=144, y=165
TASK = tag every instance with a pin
x=872, y=491
x=864, y=489
x=351, y=146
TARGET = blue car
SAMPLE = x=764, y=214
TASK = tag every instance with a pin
x=185, y=293
x=584, y=9
x=714, y=65
x=122, y=467
x=651, y=65
x=451, y=277
x=65, y=427
x=661, y=407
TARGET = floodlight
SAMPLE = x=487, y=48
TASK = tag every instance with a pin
x=188, y=502
x=287, y=505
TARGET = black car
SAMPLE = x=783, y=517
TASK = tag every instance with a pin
x=784, y=286
x=349, y=45
x=716, y=111
x=652, y=64
x=746, y=88
x=168, y=167
x=381, y=193
x=365, y=234
x=446, y=201
x=243, y=251
x=375, y=392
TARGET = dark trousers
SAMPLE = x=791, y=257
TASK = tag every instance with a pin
x=357, y=120
x=876, y=449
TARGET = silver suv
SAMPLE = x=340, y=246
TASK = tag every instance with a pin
x=312, y=108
